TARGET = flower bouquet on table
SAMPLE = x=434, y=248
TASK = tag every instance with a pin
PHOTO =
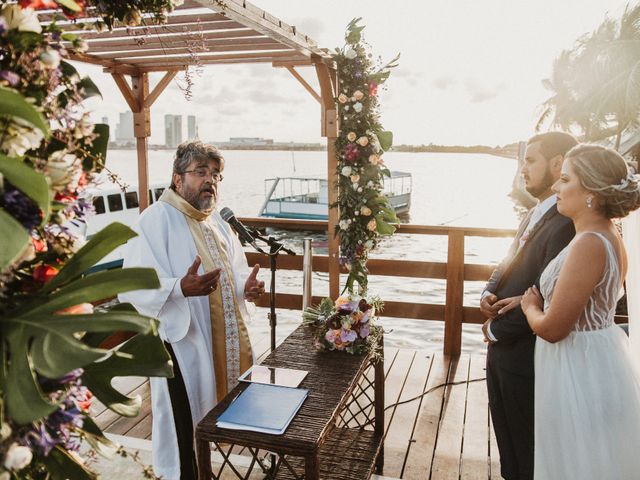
x=348, y=324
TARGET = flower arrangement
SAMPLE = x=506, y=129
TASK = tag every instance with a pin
x=51, y=363
x=348, y=324
x=365, y=213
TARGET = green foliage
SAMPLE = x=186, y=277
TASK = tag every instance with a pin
x=15, y=105
x=13, y=240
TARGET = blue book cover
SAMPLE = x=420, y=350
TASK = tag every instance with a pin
x=263, y=408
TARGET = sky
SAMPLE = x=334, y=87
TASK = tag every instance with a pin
x=470, y=71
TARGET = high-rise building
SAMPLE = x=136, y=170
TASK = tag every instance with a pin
x=124, y=129
x=105, y=120
x=192, y=127
x=172, y=130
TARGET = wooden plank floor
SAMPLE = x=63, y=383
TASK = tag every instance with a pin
x=445, y=434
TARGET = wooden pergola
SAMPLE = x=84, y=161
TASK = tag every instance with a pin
x=208, y=32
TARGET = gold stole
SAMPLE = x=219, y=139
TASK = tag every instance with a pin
x=231, y=347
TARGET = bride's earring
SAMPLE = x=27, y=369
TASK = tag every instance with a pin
x=589, y=202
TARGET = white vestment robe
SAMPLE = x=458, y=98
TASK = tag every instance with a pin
x=164, y=243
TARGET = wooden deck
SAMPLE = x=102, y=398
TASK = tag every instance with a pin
x=445, y=434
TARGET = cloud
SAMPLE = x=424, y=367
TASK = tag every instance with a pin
x=226, y=96
x=480, y=93
x=444, y=82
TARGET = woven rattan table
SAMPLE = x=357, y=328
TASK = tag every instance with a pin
x=337, y=434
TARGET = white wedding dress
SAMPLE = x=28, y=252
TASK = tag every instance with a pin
x=587, y=389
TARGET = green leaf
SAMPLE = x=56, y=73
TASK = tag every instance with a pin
x=98, y=148
x=386, y=139
x=14, y=104
x=68, y=70
x=383, y=227
x=33, y=184
x=88, y=89
x=69, y=4
x=100, y=245
x=149, y=359
x=97, y=286
x=62, y=466
x=25, y=401
x=13, y=240
x=97, y=440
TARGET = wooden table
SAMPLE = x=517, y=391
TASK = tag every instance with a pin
x=337, y=434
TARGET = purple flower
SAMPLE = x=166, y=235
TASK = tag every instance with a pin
x=364, y=331
x=21, y=207
x=41, y=440
x=11, y=77
x=347, y=335
x=71, y=376
x=3, y=25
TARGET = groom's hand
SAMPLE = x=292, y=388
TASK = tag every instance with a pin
x=487, y=305
x=485, y=331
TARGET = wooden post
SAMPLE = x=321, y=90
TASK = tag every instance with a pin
x=142, y=131
x=329, y=116
x=453, y=312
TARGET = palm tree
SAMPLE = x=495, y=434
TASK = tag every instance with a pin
x=596, y=84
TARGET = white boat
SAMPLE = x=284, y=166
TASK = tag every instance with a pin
x=307, y=198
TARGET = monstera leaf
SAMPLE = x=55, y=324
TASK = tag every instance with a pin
x=14, y=104
x=41, y=340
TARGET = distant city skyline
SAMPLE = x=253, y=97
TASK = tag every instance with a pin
x=470, y=72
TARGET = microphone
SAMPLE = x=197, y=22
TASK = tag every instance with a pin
x=228, y=216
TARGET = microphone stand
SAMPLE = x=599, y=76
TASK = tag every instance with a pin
x=275, y=248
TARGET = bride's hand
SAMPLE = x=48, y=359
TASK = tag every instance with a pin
x=531, y=299
x=507, y=304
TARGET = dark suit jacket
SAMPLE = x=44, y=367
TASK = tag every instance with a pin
x=513, y=352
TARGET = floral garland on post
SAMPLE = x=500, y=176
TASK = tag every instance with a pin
x=50, y=151
x=365, y=213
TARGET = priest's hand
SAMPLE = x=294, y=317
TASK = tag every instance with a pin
x=194, y=285
x=252, y=287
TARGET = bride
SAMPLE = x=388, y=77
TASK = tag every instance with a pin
x=587, y=388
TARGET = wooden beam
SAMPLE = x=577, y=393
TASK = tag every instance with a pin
x=159, y=88
x=205, y=57
x=170, y=39
x=126, y=91
x=231, y=42
x=88, y=24
x=193, y=29
x=142, y=131
x=455, y=295
x=164, y=66
x=167, y=54
x=244, y=12
x=304, y=83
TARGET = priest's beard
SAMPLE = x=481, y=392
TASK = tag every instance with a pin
x=205, y=204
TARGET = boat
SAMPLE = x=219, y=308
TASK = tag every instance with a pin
x=306, y=197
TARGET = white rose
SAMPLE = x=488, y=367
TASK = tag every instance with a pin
x=366, y=211
x=24, y=20
x=5, y=431
x=17, y=457
x=50, y=57
x=368, y=244
x=350, y=53
x=351, y=136
x=346, y=171
x=5, y=476
x=371, y=226
x=344, y=224
x=363, y=141
x=357, y=107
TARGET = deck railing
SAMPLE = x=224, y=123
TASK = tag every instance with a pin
x=455, y=271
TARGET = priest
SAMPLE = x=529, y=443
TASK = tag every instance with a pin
x=204, y=282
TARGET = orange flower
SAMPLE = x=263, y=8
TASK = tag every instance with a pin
x=44, y=273
x=38, y=4
x=341, y=301
x=80, y=309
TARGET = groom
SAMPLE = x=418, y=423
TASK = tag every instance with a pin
x=541, y=236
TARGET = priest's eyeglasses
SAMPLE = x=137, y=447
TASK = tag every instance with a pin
x=203, y=172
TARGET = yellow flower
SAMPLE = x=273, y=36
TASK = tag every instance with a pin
x=371, y=226
x=351, y=136
x=341, y=301
x=366, y=211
